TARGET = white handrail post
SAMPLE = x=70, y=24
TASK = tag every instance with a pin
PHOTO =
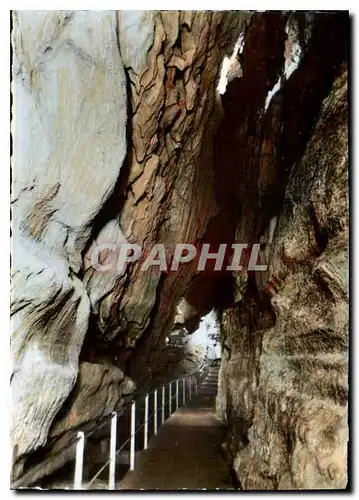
x=112, y=473
x=163, y=403
x=155, y=412
x=184, y=390
x=177, y=395
x=170, y=398
x=79, y=461
x=145, y=438
x=190, y=389
x=133, y=426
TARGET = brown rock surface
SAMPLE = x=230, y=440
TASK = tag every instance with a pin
x=284, y=385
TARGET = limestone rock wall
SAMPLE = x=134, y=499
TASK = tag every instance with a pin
x=113, y=119
x=170, y=194
x=283, y=385
x=299, y=434
x=69, y=146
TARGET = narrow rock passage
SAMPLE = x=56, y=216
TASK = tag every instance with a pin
x=186, y=453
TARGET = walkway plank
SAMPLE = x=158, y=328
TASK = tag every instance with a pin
x=185, y=454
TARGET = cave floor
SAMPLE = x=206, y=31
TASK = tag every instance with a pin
x=185, y=454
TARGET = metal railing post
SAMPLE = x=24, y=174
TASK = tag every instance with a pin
x=163, y=404
x=177, y=395
x=170, y=398
x=79, y=461
x=184, y=390
x=155, y=412
x=112, y=473
x=145, y=437
x=133, y=427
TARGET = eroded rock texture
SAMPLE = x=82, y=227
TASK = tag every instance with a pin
x=69, y=147
x=283, y=381
x=114, y=120
x=120, y=136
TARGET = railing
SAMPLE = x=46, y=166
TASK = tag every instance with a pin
x=186, y=381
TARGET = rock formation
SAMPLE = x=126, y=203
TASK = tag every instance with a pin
x=121, y=136
x=283, y=383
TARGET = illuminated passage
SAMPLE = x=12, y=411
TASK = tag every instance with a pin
x=187, y=452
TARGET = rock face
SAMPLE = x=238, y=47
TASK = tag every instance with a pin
x=59, y=185
x=283, y=381
x=111, y=145
x=122, y=136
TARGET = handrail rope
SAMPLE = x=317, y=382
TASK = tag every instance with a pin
x=108, y=461
x=127, y=404
x=134, y=398
x=124, y=444
x=121, y=447
x=107, y=418
x=142, y=393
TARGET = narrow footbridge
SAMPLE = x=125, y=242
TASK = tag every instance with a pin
x=177, y=446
